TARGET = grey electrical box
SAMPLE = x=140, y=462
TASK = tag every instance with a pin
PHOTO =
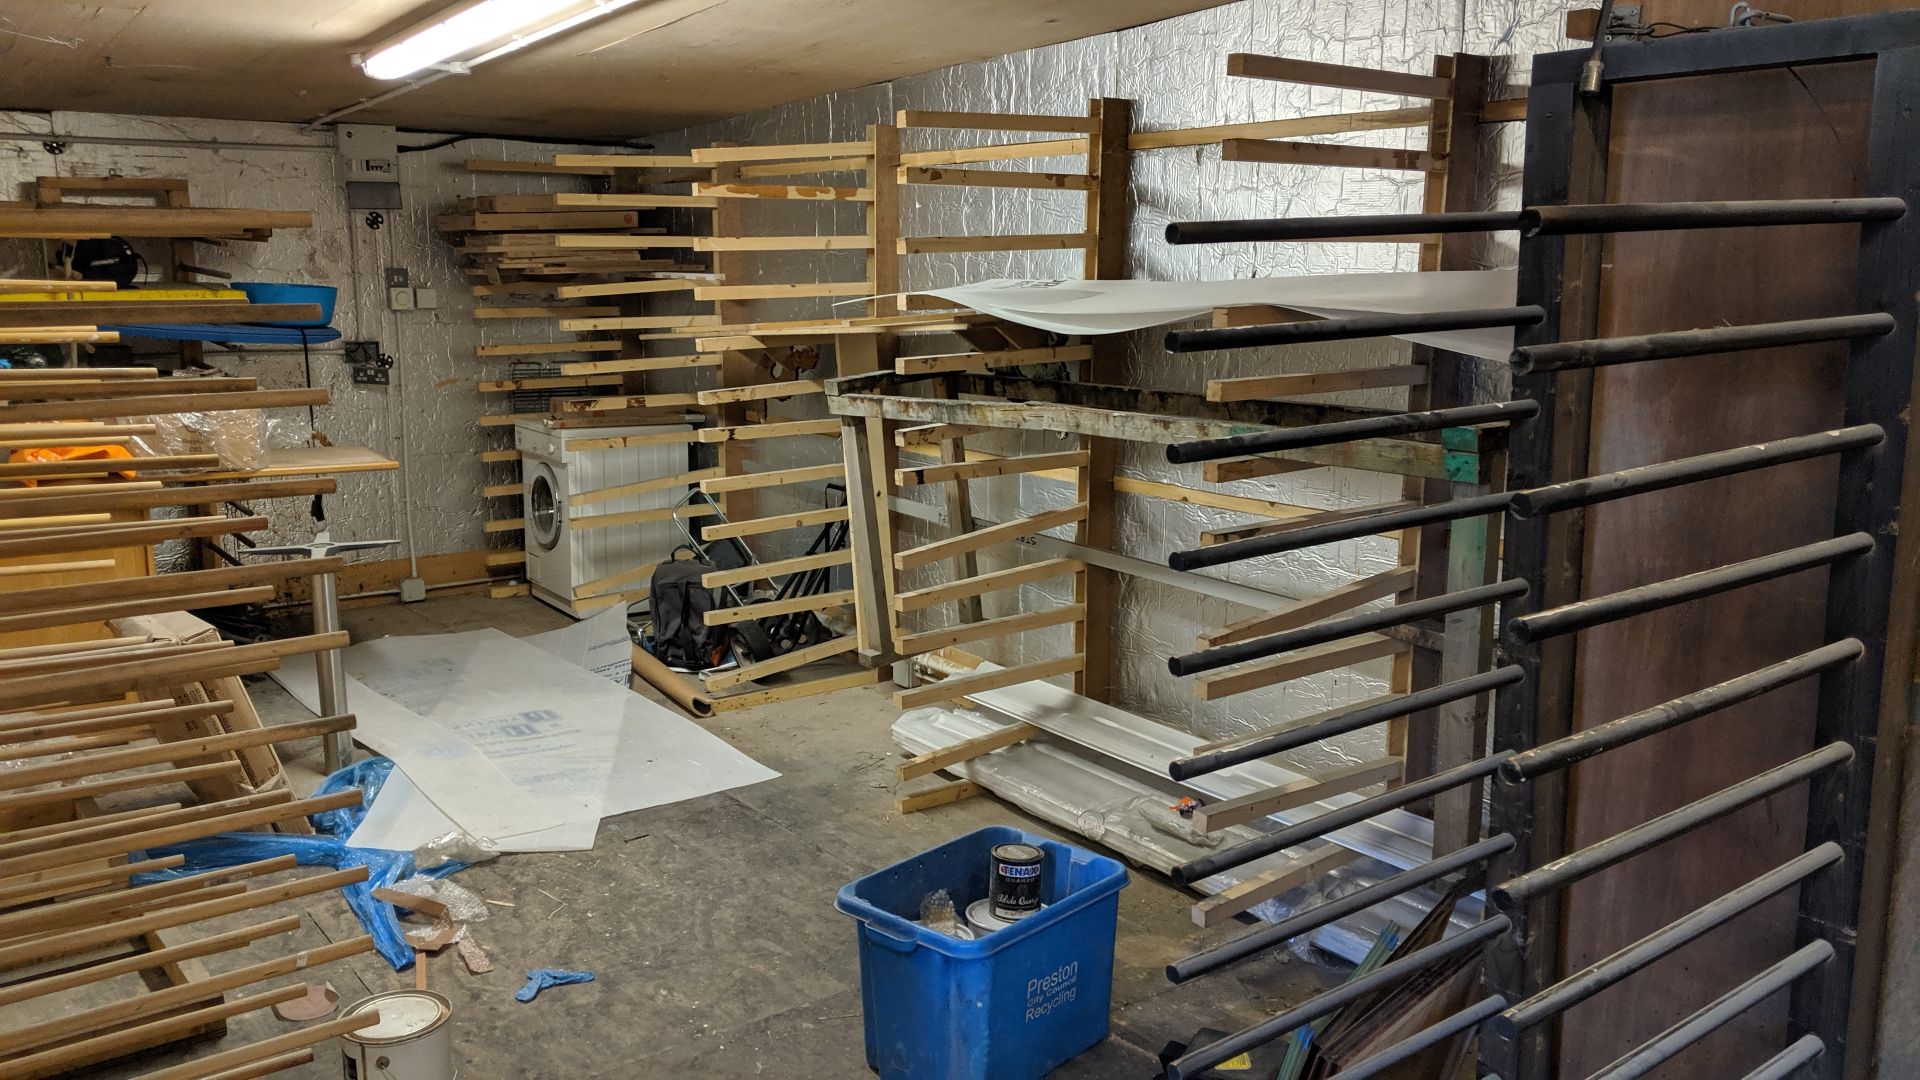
x=369, y=156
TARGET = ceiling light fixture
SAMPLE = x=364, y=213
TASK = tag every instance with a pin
x=450, y=41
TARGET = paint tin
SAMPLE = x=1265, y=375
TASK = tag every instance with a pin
x=980, y=916
x=1014, y=886
x=412, y=1041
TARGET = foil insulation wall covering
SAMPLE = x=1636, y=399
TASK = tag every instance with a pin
x=425, y=418
x=1174, y=72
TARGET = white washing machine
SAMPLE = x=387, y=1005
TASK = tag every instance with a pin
x=569, y=566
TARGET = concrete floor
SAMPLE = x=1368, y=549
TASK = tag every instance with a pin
x=710, y=923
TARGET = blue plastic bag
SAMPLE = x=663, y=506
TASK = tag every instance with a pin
x=329, y=849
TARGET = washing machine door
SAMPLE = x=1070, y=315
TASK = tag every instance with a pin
x=544, y=511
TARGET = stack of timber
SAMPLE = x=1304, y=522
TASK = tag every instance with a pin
x=575, y=268
x=126, y=733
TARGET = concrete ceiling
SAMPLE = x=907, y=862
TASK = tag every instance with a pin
x=656, y=66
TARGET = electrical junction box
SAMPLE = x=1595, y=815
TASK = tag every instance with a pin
x=369, y=156
x=426, y=298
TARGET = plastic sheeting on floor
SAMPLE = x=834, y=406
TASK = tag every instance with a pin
x=524, y=744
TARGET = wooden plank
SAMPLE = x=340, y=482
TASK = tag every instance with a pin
x=1224, y=905
x=543, y=312
x=96, y=313
x=827, y=242
x=970, y=155
x=770, y=608
x=197, y=495
x=941, y=550
x=117, y=677
x=1329, y=124
x=642, y=487
x=1233, y=470
x=625, y=161
x=787, y=662
x=926, y=245
x=1342, y=780
x=948, y=756
x=48, y=542
x=75, y=389
x=792, y=291
x=781, y=429
x=801, y=192
x=1312, y=609
x=1298, y=664
x=753, y=481
x=809, y=688
x=761, y=392
x=635, y=200
x=985, y=583
x=996, y=178
x=155, y=404
x=229, y=1064
x=974, y=470
x=777, y=523
x=548, y=348
x=681, y=362
x=1338, y=76
x=538, y=222
x=90, y=613
x=984, y=362
x=624, y=288
x=639, y=322
x=73, y=595
x=146, y=221
x=1337, y=155
x=778, y=568
x=623, y=442
x=45, y=946
x=990, y=629
x=940, y=796
x=979, y=121
x=806, y=168
x=708, y=155
x=548, y=382
x=960, y=686
x=1315, y=382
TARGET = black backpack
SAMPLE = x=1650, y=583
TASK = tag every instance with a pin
x=681, y=636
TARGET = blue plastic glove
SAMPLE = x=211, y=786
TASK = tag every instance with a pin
x=542, y=978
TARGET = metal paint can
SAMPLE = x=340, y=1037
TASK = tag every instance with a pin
x=1014, y=886
x=980, y=916
x=412, y=1041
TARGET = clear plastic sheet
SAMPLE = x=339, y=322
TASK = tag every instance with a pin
x=238, y=436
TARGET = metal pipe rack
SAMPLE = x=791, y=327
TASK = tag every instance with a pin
x=1840, y=879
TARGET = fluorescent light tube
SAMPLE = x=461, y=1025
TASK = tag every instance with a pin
x=462, y=32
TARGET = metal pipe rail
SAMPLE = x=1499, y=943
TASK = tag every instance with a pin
x=1266, y=937
x=1627, y=603
x=1603, y=352
x=1352, y=720
x=1240, y=652
x=1321, y=824
x=1788, y=1063
x=1306, y=331
x=1581, y=745
x=1471, y=1017
x=1313, y=535
x=1566, y=870
x=1651, y=1054
x=1372, y=427
x=1589, y=981
x=1618, y=485
x=1199, y=1059
x=1548, y=220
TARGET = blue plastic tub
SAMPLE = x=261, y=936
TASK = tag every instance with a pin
x=268, y=292
x=1013, y=1005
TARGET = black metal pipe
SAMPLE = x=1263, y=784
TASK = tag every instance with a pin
x=1626, y=603
x=1567, y=869
x=1589, y=981
x=1311, y=535
x=1788, y=1063
x=1687, y=470
x=1470, y=1017
x=1582, y=745
x=1210, y=960
x=1601, y=352
x=1651, y=1054
x=1321, y=824
x=1722, y=214
x=1258, y=230
x=1239, y=652
x=1347, y=328
x=1351, y=720
x=1372, y=427
x=1201, y=1058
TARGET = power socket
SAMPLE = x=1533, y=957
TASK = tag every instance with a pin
x=400, y=299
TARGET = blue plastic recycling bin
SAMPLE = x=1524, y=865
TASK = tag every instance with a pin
x=1012, y=1005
